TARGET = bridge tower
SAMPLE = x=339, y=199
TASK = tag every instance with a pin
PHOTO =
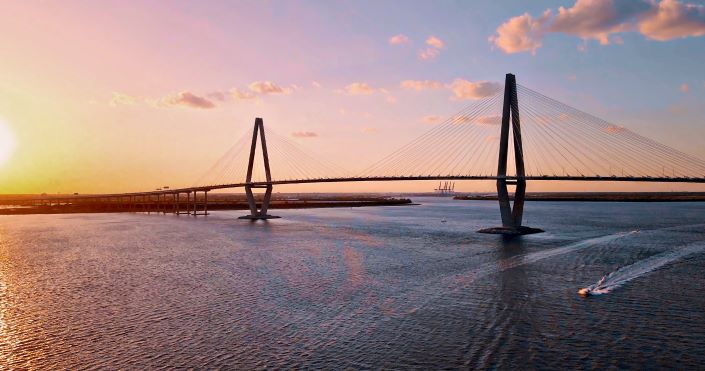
x=511, y=214
x=261, y=213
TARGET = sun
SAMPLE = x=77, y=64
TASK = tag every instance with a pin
x=7, y=142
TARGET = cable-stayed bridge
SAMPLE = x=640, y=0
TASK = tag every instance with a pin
x=514, y=136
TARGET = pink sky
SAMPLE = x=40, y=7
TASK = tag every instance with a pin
x=116, y=96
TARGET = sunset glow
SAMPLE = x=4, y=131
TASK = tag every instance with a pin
x=103, y=97
x=7, y=143
x=352, y=184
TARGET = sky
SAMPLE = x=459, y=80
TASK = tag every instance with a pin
x=116, y=96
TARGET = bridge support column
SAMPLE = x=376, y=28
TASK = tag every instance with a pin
x=205, y=203
x=178, y=204
x=260, y=214
x=195, y=205
x=511, y=214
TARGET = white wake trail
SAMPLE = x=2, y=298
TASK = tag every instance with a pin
x=627, y=273
x=459, y=281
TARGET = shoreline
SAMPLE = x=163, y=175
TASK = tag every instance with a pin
x=220, y=203
x=598, y=196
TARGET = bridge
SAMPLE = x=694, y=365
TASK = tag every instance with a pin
x=490, y=139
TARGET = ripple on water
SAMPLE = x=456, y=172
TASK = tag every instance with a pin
x=362, y=288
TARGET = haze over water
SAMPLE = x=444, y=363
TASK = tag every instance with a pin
x=381, y=287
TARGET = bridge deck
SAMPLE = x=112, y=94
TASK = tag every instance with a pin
x=388, y=179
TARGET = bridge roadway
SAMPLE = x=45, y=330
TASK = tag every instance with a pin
x=384, y=179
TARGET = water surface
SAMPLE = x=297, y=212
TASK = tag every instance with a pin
x=382, y=287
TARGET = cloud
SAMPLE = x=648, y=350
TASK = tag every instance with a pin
x=685, y=88
x=420, y=84
x=614, y=129
x=188, y=99
x=489, y=120
x=359, y=88
x=391, y=99
x=428, y=54
x=304, y=134
x=463, y=89
x=460, y=120
x=433, y=51
x=521, y=33
x=597, y=19
x=268, y=87
x=399, y=39
x=602, y=20
x=122, y=99
x=369, y=130
x=431, y=119
x=673, y=19
x=315, y=84
x=435, y=42
x=217, y=95
x=482, y=120
x=238, y=94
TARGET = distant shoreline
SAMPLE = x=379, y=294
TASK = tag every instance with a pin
x=599, y=196
x=215, y=202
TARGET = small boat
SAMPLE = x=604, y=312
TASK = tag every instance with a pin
x=443, y=220
x=585, y=292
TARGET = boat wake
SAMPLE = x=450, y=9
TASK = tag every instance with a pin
x=464, y=280
x=627, y=273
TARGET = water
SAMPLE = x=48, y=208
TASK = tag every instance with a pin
x=633, y=271
x=386, y=287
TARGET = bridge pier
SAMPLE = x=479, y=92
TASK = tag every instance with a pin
x=511, y=214
x=261, y=213
x=195, y=203
x=178, y=205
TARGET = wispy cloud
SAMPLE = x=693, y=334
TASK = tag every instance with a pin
x=359, y=88
x=238, y=94
x=399, y=39
x=463, y=89
x=429, y=54
x=431, y=119
x=187, y=99
x=489, y=120
x=268, y=87
x=685, y=88
x=434, y=49
x=122, y=99
x=435, y=42
x=420, y=84
x=217, y=95
x=614, y=129
x=304, y=134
